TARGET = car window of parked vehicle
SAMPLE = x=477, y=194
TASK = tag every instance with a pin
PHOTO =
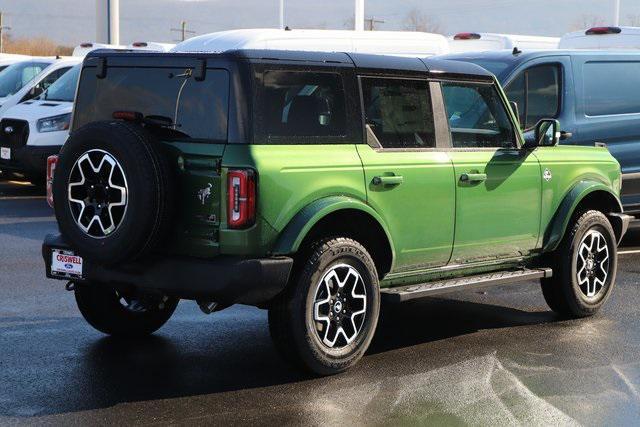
x=16, y=76
x=537, y=92
x=398, y=112
x=179, y=106
x=303, y=104
x=477, y=116
x=52, y=77
x=611, y=88
x=64, y=89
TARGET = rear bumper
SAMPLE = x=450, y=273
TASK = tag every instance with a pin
x=29, y=160
x=224, y=279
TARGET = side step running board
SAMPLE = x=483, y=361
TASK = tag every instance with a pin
x=405, y=293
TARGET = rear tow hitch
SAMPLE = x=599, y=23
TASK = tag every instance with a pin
x=208, y=307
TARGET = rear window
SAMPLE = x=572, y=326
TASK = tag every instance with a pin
x=189, y=109
x=611, y=88
x=303, y=104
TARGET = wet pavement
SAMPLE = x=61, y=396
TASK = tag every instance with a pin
x=498, y=357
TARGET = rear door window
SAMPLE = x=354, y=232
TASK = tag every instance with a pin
x=398, y=113
x=537, y=93
x=303, y=104
x=180, y=106
x=477, y=116
x=611, y=88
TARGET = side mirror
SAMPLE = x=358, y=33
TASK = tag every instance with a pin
x=547, y=134
x=34, y=92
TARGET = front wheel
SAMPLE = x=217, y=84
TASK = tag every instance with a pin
x=327, y=317
x=584, y=267
x=120, y=314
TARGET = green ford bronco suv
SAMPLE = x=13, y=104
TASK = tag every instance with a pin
x=315, y=185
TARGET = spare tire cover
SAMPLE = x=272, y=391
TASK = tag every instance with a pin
x=113, y=192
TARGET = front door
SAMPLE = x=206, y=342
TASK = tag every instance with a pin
x=409, y=179
x=498, y=185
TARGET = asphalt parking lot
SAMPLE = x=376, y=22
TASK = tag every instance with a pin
x=497, y=357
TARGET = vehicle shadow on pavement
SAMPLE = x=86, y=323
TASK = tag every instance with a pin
x=80, y=370
x=433, y=319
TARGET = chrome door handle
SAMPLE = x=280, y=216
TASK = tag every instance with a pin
x=473, y=177
x=388, y=180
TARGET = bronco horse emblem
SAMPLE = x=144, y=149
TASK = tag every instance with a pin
x=205, y=193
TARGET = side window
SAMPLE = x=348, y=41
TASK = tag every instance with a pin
x=611, y=88
x=44, y=84
x=537, y=92
x=398, y=112
x=543, y=94
x=303, y=104
x=477, y=116
x=516, y=93
x=28, y=73
x=51, y=78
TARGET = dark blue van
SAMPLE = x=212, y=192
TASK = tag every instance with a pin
x=594, y=94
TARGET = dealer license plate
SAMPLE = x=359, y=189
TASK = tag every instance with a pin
x=66, y=264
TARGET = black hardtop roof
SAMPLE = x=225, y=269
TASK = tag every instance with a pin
x=368, y=62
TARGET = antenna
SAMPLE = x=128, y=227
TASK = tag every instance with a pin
x=183, y=31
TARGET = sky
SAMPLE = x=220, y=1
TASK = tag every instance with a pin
x=71, y=22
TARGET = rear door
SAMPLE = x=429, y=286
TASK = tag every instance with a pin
x=498, y=185
x=408, y=175
x=187, y=113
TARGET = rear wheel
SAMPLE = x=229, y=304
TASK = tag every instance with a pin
x=327, y=317
x=121, y=314
x=584, y=267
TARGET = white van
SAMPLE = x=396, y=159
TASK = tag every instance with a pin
x=84, y=48
x=399, y=43
x=38, y=126
x=33, y=130
x=151, y=46
x=480, y=42
x=26, y=80
x=602, y=38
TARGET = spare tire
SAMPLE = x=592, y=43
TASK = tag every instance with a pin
x=113, y=191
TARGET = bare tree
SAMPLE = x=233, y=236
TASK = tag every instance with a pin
x=416, y=20
x=587, y=21
x=633, y=20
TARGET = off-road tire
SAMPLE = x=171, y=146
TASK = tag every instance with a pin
x=102, y=308
x=562, y=291
x=151, y=191
x=291, y=321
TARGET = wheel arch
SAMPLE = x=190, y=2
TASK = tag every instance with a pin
x=584, y=196
x=339, y=215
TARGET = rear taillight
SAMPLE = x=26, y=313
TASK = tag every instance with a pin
x=241, y=198
x=467, y=36
x=597, y=31
x=52, y=162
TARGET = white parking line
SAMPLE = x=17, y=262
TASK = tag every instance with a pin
x=22, y=197
x=629, y=252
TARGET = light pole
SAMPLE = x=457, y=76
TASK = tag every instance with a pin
x=108, y=21
x=616, y=13
x=359, y=18
x=282, y=14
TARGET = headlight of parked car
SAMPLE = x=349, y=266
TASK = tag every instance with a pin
x=55, y=123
